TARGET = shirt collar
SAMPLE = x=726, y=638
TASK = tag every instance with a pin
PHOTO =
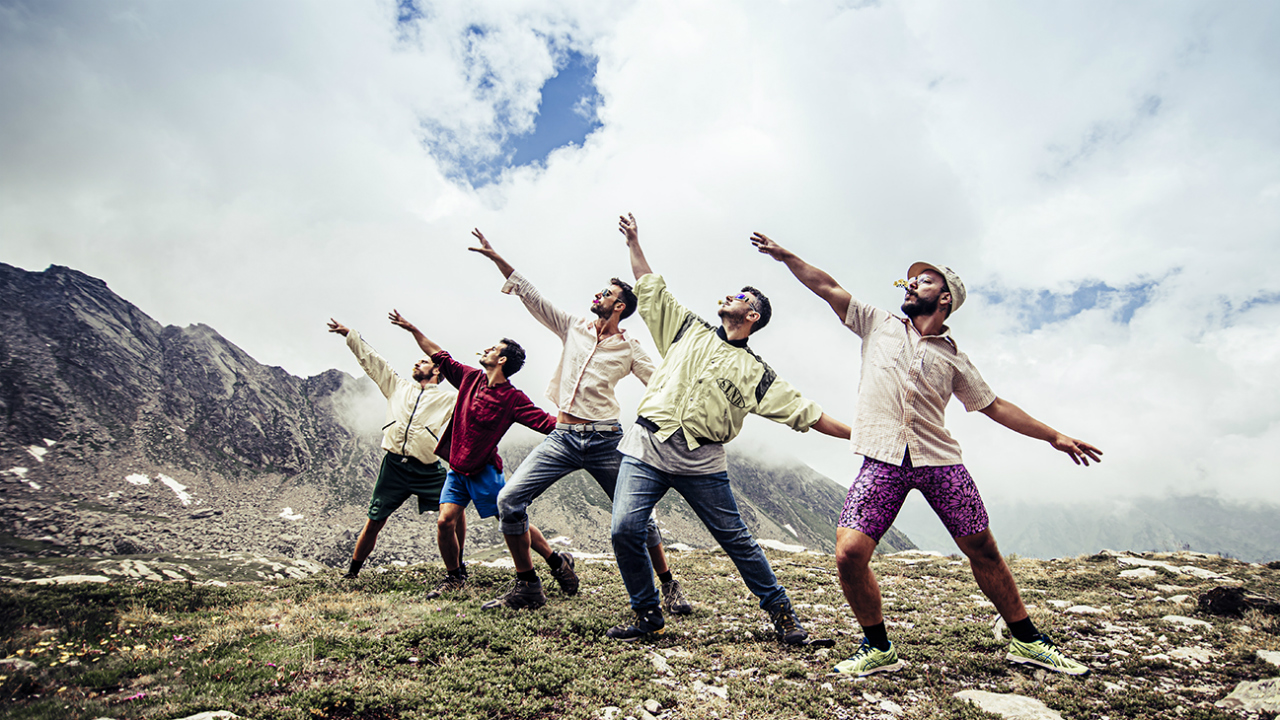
x=720, y=333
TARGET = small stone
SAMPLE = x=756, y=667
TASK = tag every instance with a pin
x=1270, y=656
x=1185, y=621
x=210, y=715
x=1138, y=573
x=17, y=664
x=891, y=707
x=1013, y=707
x=609, y=712
x=1199, y=655
x=652, y=705
x=1085, y=610
x=660, y=664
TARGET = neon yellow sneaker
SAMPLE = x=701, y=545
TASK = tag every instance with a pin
x=869, y=659
x=1044, y=653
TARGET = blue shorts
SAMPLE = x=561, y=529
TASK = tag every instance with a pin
x=481, y=488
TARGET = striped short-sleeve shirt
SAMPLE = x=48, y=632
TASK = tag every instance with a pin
x=907, y=380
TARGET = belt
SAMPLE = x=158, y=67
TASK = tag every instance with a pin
x=590, y=427
x=652, y=427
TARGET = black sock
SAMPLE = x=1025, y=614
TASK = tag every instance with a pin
x=527, y=575
x=665, y=577
x=354, y=567
x=877, y=636
x=459, y=572
x=554, y=560
x=1024, y=630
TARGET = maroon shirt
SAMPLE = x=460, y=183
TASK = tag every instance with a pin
x=481, y=416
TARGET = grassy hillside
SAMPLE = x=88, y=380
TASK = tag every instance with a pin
x=320, y=647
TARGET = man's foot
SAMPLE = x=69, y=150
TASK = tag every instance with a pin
x=1044, y=653
x=565, y=576
x=523, y=594
x=673, y=600
x=647, y=624
x=786, y=624
x=870, y=659
x=351, y=575
x=450, y=583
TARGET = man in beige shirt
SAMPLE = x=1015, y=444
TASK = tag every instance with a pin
x=597, y=355
x=910, y=369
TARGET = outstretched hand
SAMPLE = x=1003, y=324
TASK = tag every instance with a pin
x=397, y=319
x=1080, y=451
x=485, y=248
x=627, y=226
x=337, y=327
x=769, y=247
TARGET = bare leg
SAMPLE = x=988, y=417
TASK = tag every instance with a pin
x=993, y=575
x=519, y=546
x=539, y=544
x=368, y=538
x=450, y=531
x=659, y=558
x=858, y=583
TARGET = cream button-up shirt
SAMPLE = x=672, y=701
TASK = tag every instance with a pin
x=907, y=380
x=589, y=368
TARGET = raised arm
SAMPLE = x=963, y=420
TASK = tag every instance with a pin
x=822, y=284
x=423, y=341
x=627, y=226
x=337, y=327
x=1016, y=419
x=487, y=250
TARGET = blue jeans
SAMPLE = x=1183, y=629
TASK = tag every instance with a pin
x=560, y=454
x=640, y=487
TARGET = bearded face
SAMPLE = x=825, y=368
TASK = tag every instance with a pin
x=915, y=305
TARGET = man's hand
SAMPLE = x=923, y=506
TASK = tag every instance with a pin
x=1080, y=452
x=627, y=226
x=769, y=247
x=337, y=327
x=424, y=343
x=398, y=320
x=487, y=250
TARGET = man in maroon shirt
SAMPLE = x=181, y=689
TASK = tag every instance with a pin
x=486, y=408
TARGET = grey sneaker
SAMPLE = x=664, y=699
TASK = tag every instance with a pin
x=450, y=583
x=523, y=594
x=786, y=624
x=565, y=576
x=647, y=624
x=673, y=599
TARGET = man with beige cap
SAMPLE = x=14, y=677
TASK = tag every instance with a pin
x=911, y=367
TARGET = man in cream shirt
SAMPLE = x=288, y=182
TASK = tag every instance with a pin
x=911, y=367
x=597, y=355
x=418, y=411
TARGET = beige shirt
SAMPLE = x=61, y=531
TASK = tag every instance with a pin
x=416, y=415
x=907, y=380
x=583, y=382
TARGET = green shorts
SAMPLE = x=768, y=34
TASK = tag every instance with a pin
x=402, y=476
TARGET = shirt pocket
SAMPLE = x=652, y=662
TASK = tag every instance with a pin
x=937, y=374
x=486, y=411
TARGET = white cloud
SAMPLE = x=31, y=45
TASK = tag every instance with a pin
x=261, y=168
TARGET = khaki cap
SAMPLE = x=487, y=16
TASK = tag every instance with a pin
x=954, y=285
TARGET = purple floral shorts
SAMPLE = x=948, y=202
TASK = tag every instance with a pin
x=877, y=495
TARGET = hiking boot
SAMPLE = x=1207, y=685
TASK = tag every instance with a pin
x=523, y=594
x=450, y=583
x=565, y=576
x=870, y=659
x=1044, y=653
x=351, y=575
x=647, y=624
x=786, y=624
x=673, y=600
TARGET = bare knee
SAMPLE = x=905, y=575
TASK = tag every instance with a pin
x=853, y=551
x=981, y=548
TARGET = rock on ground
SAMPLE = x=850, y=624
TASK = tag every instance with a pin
x=1011, y=707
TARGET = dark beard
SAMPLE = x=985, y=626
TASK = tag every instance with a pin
x=919, y=307
x=598, y=310
x=729, y=318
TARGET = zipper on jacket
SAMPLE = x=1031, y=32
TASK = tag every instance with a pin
x=409, y=425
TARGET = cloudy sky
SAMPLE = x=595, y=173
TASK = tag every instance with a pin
x=1104, y=176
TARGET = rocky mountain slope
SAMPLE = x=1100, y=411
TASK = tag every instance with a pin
x=120, y=436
